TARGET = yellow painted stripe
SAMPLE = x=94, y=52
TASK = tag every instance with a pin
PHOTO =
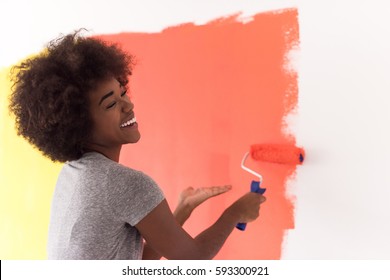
x=27, y=181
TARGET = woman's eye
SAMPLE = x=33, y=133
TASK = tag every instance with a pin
x=124, y=93
x=111, y=105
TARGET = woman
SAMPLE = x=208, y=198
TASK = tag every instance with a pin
x=71, y=103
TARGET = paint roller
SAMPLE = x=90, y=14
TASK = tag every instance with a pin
x=272, y=153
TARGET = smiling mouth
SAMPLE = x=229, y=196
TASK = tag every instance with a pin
x=129, y=123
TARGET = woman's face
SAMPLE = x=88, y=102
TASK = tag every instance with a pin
x=113, y=118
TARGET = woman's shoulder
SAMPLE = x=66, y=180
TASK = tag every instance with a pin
x=97, y=166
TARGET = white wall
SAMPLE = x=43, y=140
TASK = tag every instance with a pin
x=343, y=189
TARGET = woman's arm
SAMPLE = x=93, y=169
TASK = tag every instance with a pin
x=189, y=199
x=166, y=236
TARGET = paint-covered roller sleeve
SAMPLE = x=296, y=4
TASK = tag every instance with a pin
x=278, y=153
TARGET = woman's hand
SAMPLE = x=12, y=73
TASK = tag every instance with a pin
x=194, y=197
x=246, y=209
x=190, y=198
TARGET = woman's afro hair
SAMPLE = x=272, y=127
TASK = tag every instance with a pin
x=50, y=92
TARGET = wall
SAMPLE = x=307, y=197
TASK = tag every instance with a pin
x=336, y=202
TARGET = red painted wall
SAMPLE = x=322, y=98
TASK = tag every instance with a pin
x=203, y=95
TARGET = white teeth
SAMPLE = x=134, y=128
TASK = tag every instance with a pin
x=130, y=122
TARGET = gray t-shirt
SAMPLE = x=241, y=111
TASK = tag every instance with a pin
x=95, y=206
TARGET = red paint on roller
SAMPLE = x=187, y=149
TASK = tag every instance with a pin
x=274, y=153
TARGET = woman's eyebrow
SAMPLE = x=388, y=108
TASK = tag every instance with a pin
x=106, y=96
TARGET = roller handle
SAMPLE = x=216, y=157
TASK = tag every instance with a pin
x=255, y=187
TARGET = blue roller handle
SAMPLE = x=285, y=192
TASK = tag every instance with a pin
x=255, y=187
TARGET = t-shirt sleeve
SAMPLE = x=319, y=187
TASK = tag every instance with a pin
x=132, y=194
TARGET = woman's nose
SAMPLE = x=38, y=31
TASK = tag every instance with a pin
x=127, y=106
